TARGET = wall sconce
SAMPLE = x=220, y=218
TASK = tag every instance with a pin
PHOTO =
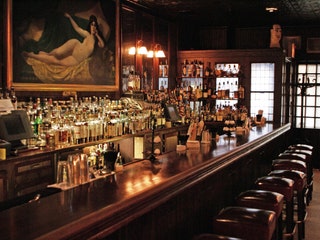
x=140, y=49
x=156, y=51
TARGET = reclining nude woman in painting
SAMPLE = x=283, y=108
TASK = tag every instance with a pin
x=73, y=52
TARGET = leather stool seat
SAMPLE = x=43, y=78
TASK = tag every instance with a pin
x=300, y=186
x=299, y=177
x=308, y=157
x=308, y=161
x=288, y=164
x=308, y=153
x=262, y=199
x=283, y=186
x=293, y=156
x=296, y=156
x=247, y=223
x=210, y=236
x=301, y=146
x=299, y=165
x=276, y=184
x=302, y=155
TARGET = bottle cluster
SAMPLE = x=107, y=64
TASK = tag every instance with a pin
x=9, y=94
x=192, y=68
x=58, y=124
x=227, y=70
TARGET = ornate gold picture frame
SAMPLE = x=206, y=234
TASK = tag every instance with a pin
x=63, y=45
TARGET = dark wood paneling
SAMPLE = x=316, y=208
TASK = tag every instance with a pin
x=175, y=202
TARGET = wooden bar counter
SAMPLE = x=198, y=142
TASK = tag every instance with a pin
x=174, y=199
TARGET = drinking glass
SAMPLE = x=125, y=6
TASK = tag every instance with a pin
x=84, y=169
x=64, y=174
x=74, y=161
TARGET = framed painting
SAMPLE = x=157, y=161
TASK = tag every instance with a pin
x=291, y=44
x=63, y=45
x=313, y=45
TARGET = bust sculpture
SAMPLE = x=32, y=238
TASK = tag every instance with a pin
x=275, y=36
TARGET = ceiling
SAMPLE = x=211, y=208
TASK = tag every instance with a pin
x=237, y=12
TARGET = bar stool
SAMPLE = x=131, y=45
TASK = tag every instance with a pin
x=247, y=223
x=308, y=153
x=299, y=165
x=283, y=186
x=300, y=186
x=210, y=236
x=301, y=146
x=289, y=164
x=263, y=199
x=308, y=160
x=302, y=156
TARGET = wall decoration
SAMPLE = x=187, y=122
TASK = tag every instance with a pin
x=64, y=44
x=313, y=45
x=290, y=44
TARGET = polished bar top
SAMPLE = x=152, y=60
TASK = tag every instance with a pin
x=109, y=203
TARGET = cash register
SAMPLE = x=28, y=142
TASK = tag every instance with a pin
x=14, y=128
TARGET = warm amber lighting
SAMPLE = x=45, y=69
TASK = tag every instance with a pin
x=139, y=49
x=150, y=54
x=160, y=54
x=156, y=51
x=142, y=50
x=271, y=9
x=132, y=51
x=159, y=51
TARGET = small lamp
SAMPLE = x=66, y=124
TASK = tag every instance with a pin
x=150, y=54
x=132, y=51
x=159, y=52
x=141, y=48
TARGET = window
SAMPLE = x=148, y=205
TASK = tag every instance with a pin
x=307, y=96
x=262, y=89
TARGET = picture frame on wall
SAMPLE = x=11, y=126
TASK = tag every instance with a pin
x=290, y=44
x=313, y=45
x=63, y=45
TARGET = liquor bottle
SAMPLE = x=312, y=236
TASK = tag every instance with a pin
x=205, y=91
x=231, y=94
x=234, y=70
x=227, y=90
x=38, y=123
x=194, y=68
x=198, y=70
x=119, y=161
x=190, y=69
x=241, y=92
x=13, y=98
x=223, y=90
x=165, y=71
x=184, y=68
x=208, y=70
x=77, y=133
x=209, y=89
x=219, y=91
